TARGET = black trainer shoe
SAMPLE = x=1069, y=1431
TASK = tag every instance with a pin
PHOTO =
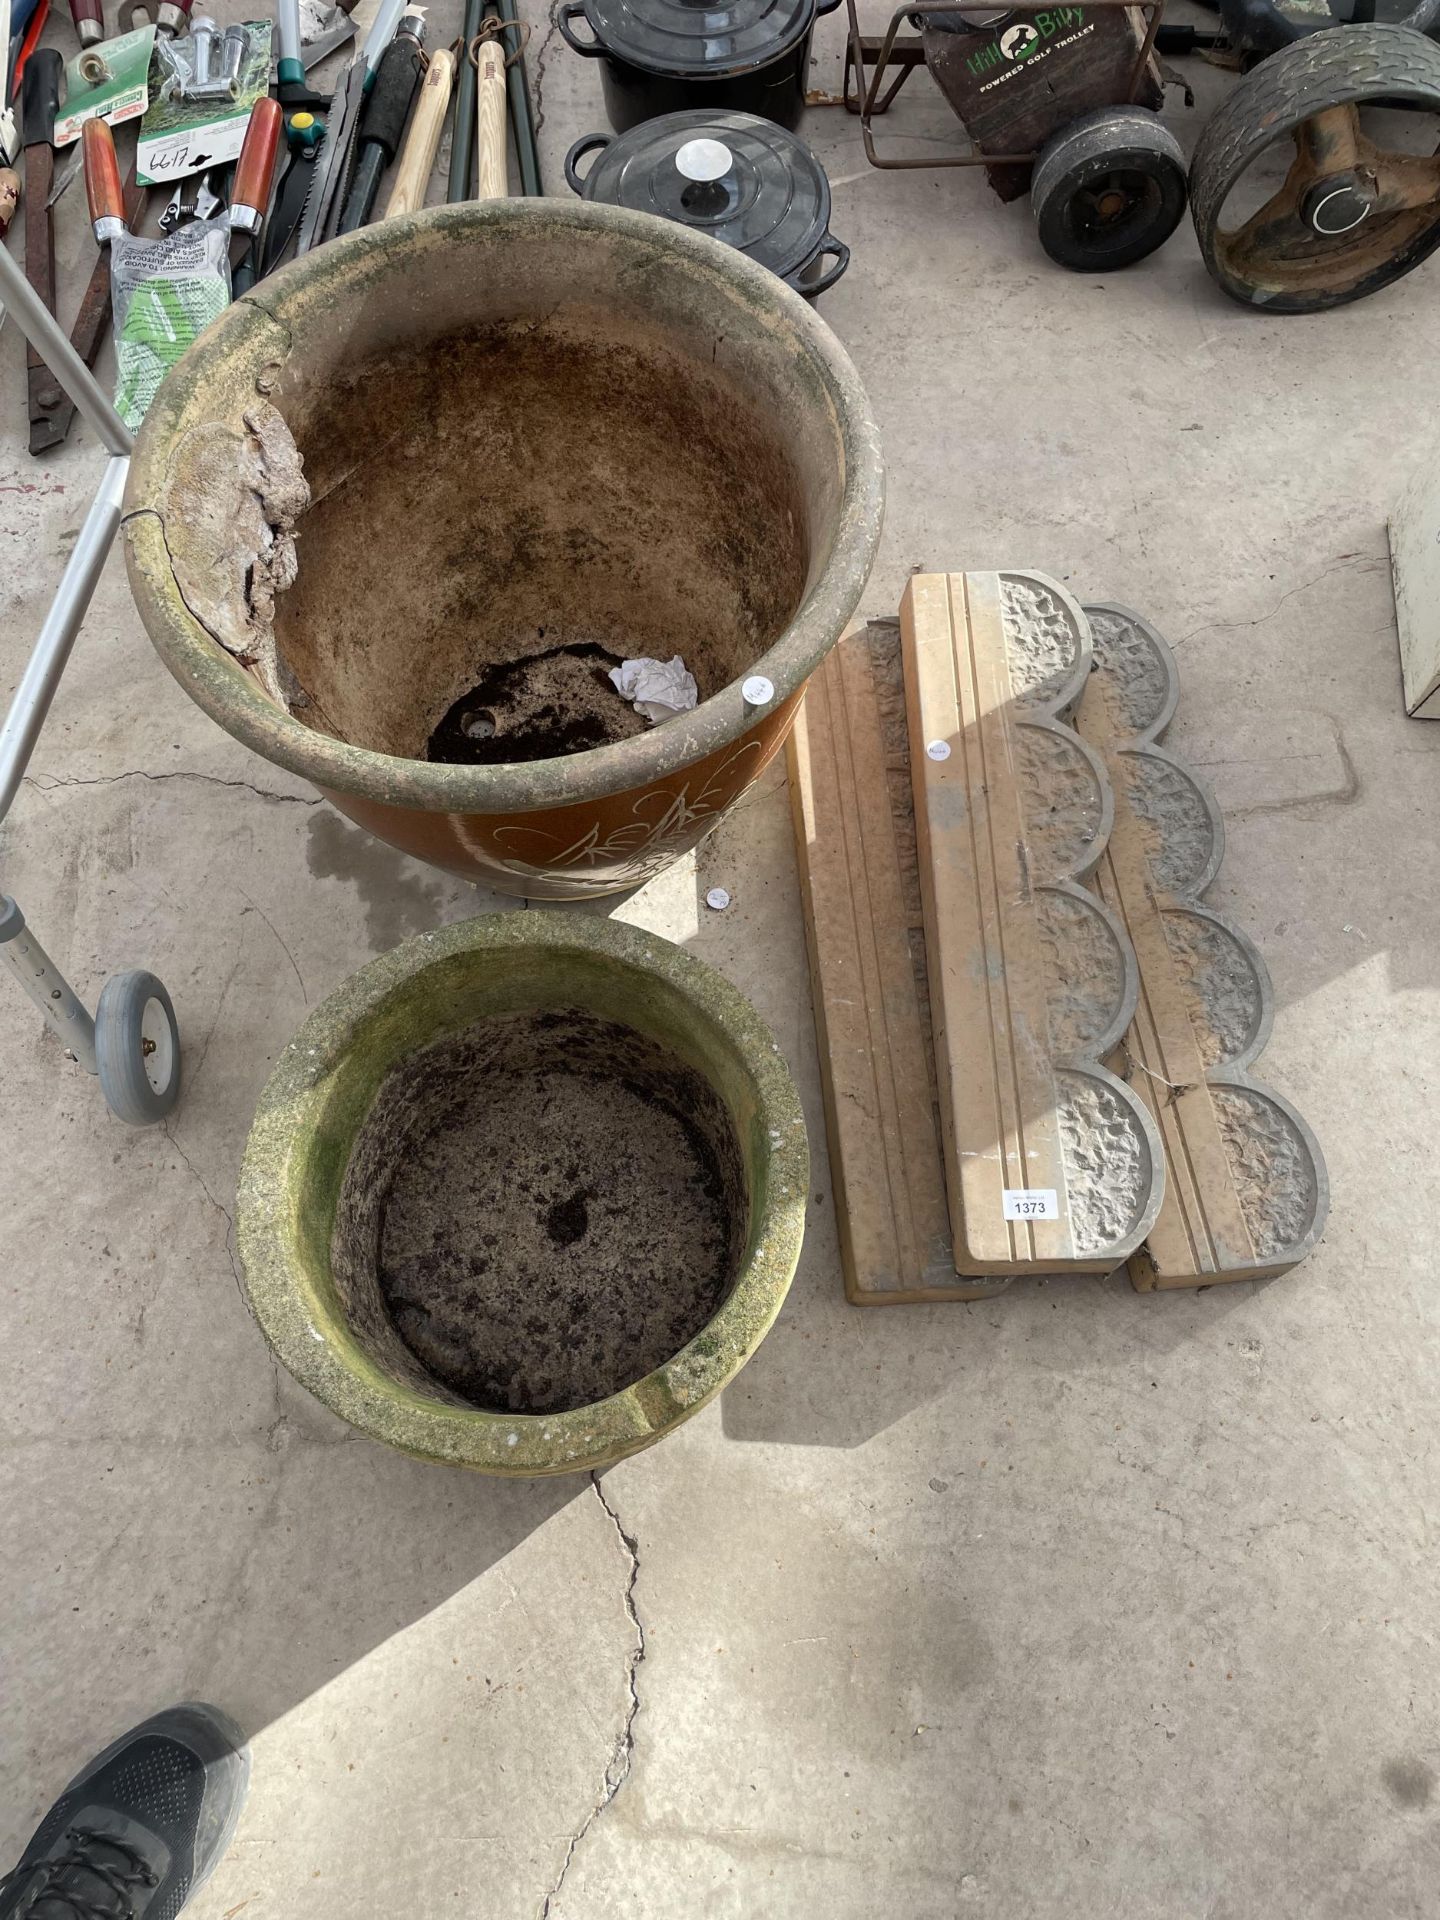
x=139, y=1829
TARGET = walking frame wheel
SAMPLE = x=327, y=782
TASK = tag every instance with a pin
x=137, y=1048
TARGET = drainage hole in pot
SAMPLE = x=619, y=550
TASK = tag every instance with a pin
x=538, y=1212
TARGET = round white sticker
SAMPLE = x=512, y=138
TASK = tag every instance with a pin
x=718, y=898
x=939, y=749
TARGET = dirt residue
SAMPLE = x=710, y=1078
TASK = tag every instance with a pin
x=544, y=1209
x=531, y=489
x=560, y=701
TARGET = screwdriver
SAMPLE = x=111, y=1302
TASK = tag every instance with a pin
x=382, y=121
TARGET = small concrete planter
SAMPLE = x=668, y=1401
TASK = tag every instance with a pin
x=510, y=1160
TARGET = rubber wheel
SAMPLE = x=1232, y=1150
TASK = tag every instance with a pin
x=1108, y=190
x=137, y=1048
x=1278, y=259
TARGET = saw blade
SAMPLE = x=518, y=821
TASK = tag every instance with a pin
x=348, y=152
x=339, y=137
x=297, y=190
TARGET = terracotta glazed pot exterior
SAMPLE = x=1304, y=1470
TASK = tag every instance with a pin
x=316, y=1105
x=610, y=816
x=595, y=846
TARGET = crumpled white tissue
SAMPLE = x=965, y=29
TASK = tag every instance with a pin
x=658, y=689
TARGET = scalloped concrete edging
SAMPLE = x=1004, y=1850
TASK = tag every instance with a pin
x=325, y=1081
x=1247, y=1192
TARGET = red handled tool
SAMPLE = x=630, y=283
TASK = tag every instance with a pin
x=103, y=191
x=250, y=194
x=29, y=40
x=89, y=21
x=255, y=169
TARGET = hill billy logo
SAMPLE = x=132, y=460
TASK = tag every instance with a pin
x=1018, y=43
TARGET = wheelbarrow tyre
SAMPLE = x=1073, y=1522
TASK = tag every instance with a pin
x=137, y=1048
x=1119, y=154
x=1348, y=65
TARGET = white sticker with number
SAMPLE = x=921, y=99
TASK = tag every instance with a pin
x=174, y=156
x=1031, y=1203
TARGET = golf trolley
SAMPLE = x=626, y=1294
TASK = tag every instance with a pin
x=1059, y=100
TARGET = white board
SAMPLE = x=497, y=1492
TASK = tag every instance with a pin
x=1415, y=569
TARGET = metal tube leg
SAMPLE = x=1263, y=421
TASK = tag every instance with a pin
x=37, y=973
x=42, y=673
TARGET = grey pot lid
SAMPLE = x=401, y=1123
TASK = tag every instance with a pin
x=737, y=177
x=694, y=42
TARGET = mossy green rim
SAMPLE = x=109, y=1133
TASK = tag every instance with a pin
x=254, y=334
x=301, y=1317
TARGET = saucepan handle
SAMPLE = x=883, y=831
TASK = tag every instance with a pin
x=575, y=10
x=588, y=143
x=839, y=252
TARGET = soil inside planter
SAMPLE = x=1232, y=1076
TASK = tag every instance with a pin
x=543, y=1209
x=496, y=518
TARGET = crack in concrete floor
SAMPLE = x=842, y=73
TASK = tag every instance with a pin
x=53, y=783
x=622, y=1758
x=542, y=60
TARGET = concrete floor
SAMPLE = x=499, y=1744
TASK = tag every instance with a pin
x=1077, y=1602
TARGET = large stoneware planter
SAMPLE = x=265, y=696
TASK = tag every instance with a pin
x=524, y=1194
x=443, y=472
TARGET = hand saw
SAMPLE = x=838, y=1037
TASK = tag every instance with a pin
x=306, y=134
x=329, y=169
x=337, y=159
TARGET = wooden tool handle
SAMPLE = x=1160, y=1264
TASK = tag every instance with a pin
x=490, y=179
x=102, y=176
x=417, y=156
x=255, y=169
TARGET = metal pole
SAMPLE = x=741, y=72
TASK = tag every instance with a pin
x=57, y=636
x=522, y=119
x=37, y=973
x=49, y=340
x=462, y=135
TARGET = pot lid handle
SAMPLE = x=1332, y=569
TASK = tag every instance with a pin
x=704, y=160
